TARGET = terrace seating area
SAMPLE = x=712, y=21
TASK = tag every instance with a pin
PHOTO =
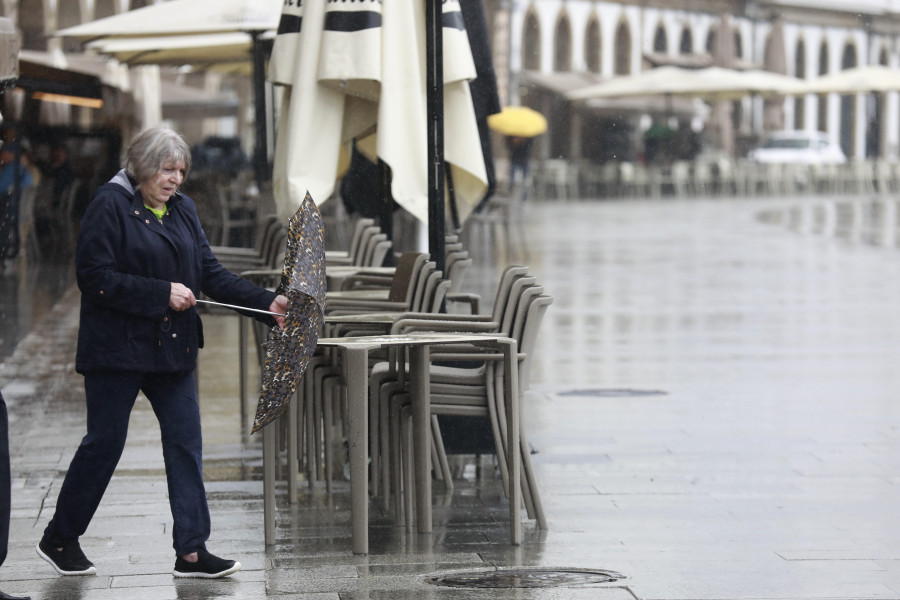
x=557, y=179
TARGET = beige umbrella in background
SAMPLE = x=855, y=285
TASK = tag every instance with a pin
x=201, y=51
x=710, y=83
x=868, y=78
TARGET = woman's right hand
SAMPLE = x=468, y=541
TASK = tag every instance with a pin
x=181, y=297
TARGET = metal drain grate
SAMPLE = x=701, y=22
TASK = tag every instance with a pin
x=612, y=393
x=524, y=578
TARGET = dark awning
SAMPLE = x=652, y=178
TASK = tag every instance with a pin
x=36, y=74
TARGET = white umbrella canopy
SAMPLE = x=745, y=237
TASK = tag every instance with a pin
x=349, y=69
x=869, y=78
x=710, y=83
x=182, y=17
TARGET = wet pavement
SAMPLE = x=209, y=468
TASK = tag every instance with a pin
x=714, y=409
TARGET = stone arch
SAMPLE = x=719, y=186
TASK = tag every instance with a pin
x=531, y=42
x=32, y=22
x=622, y=57
x=592, y=45
x=848, y=102
x=562, y=44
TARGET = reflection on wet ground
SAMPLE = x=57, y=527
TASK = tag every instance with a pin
x=28, y=290
x=872, y=221
x=713, y=409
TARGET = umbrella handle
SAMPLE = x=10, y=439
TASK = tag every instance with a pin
x=256, y=310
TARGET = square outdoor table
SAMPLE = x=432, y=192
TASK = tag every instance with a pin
x=356, y=374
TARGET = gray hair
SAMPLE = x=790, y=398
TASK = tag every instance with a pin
x=153, y=147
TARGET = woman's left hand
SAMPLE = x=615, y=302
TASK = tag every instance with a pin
x=279, y=305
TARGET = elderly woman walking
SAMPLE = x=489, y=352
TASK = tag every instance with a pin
x=142, y=258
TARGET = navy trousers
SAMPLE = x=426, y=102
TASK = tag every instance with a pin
x=110, y=398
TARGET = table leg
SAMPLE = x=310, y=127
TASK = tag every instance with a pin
x=270, y=456
x=242, y=360
x=420, y=382
x=514, y=458
x=356, y=376
x=293, y=447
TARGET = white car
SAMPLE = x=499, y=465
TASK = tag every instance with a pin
x=800, y=147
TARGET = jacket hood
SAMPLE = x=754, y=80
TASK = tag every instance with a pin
x=122, y=179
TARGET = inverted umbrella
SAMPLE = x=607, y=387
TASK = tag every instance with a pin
x=518, y=121
x=288, y=350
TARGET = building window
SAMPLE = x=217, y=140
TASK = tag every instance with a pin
x=848, y=105
x=686, y=46
x=531, y=44
x=562, y=46
x=660, y=44
x=592, y=46
x=823, y=99
x=623, y=50
x=800, y=72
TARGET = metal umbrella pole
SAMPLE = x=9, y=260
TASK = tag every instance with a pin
x=260, y=150
x=434, y=91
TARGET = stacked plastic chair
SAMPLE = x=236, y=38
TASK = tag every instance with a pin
x=459, y=390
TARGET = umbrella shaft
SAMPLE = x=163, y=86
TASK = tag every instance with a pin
x=265, y=312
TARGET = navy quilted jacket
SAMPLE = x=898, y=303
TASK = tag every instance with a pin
x=125, y=262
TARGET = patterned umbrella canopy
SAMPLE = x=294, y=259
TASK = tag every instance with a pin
x=288, y=350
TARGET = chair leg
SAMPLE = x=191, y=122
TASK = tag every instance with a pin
x=441, y=455
x=330, y=390
x=529, y=481
x=386, y=438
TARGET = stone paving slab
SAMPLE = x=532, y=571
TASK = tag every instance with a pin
x=713, y=409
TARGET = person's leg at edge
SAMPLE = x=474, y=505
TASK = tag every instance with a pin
x=110, y=397
x=5, y=492
x=174, y=401
x=5, y=482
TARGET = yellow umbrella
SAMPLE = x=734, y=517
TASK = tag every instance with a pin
x=518, y=121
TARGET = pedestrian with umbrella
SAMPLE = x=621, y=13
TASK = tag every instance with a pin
x=520, y=125
x=142, y=258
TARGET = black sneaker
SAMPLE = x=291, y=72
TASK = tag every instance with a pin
x=208, y=566
x=68, y=561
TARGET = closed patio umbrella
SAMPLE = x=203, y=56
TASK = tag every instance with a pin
x=351, y=70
